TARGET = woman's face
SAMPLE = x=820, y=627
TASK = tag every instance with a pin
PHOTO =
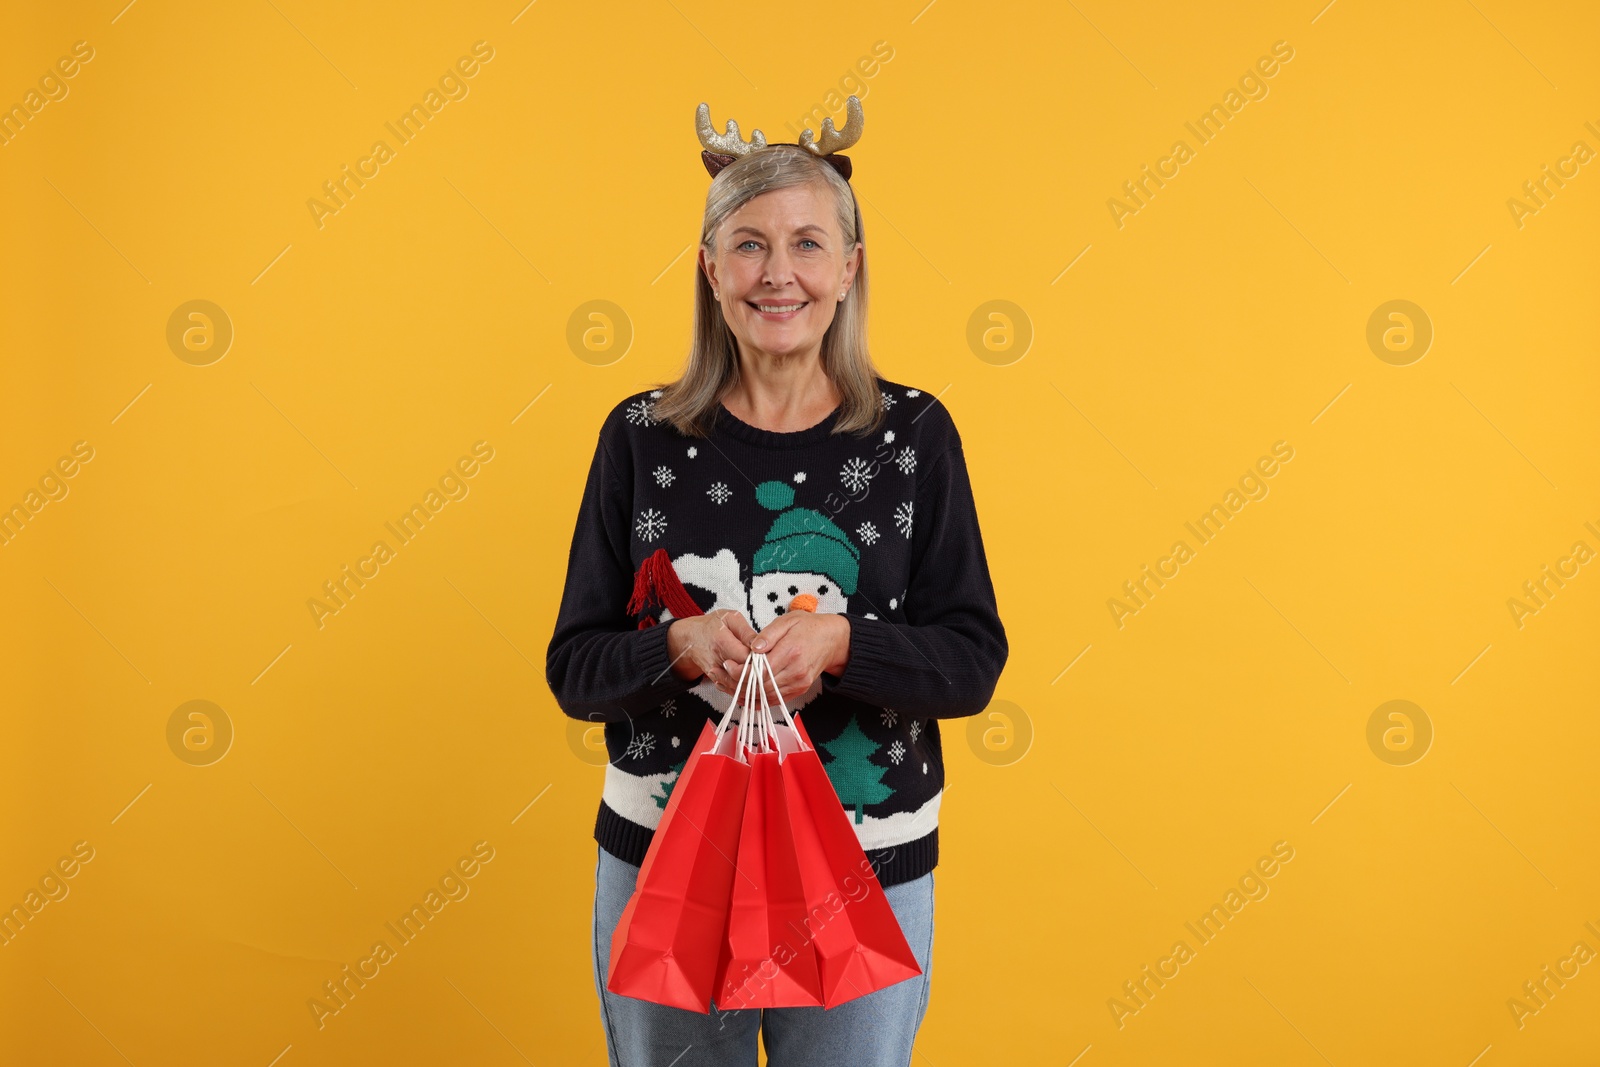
x=780, y=268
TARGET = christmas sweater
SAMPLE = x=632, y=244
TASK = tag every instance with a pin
x=882, y=529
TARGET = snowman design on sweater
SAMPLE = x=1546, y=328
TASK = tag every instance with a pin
x=805, y=563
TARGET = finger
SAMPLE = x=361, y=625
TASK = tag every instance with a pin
x=771, y=634
x=734, y=624
x=713, y=673
x=740, y=668
x=793, y=681
x=728, y=668
x=727, y=646
x=779, y=684
x=735, y=663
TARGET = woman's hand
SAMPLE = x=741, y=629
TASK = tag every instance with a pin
x=714, y=645
x=801, y=645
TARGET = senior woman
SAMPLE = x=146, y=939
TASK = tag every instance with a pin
x=780, y=497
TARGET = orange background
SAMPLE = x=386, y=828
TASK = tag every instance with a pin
x=1127, y=776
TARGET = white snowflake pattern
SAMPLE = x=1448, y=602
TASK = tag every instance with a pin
x=799, y=476
x=897, y=752
x=868, y=533
x=916, y=730
x=693, y=451
x=664, y=476
x=675, y=742
x=889, y=717
x=924, y=768
x=888, y=401
x=651, y=524
x=640, y=746
x=913, y=393
x=855, y=475
x=719, y=492
x=655, y=393
x=902, y=518
x=906, y=460
x=639, y=413
x=888, y=437
x=669, y=709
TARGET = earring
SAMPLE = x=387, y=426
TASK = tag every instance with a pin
x=841, y=296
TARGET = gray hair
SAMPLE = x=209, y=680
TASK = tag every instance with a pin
x=712, y=366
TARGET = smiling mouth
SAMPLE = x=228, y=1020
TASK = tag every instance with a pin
x=778, y=310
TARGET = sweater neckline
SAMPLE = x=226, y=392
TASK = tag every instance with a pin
x=733, y=426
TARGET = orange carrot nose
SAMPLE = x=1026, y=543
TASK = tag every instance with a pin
x=803, y=602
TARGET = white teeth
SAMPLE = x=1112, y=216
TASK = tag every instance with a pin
x=778, y=308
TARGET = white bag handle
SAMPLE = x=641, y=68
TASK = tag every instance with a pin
x=757, y=726
x=741, y=709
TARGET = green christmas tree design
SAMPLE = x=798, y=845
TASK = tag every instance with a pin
x=667, y=785
x=856, y=779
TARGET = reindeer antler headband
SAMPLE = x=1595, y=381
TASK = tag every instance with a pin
x=723, y=148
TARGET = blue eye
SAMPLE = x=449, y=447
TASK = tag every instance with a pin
x=809, y=241
x=749, y=241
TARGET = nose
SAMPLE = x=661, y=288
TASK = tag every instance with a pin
x=779, y=269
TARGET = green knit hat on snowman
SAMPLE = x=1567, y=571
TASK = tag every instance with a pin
x=804, y=541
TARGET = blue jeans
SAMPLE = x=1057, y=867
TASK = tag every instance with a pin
x=871, y=1031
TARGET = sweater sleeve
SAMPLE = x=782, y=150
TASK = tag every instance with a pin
x=598, y=665
x=946, y=659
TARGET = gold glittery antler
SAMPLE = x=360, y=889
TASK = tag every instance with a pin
x=729, y=143
x=833, y=140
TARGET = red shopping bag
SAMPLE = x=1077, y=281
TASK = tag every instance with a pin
x=669, y=940
x=765, y=964
x=859, y=945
